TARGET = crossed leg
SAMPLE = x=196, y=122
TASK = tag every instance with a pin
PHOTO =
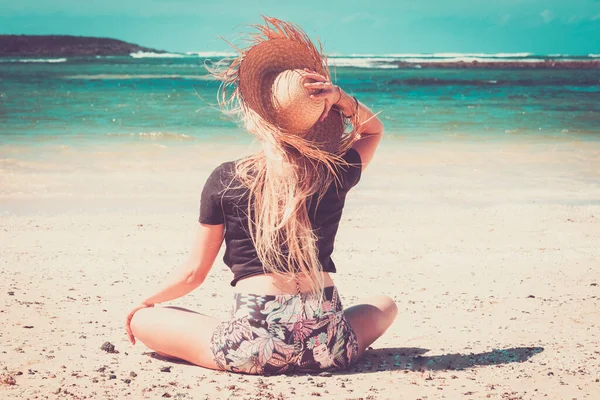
x=176, y=333
x=180, y=333
x=371, y=319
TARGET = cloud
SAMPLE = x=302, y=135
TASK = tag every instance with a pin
x=547, y=16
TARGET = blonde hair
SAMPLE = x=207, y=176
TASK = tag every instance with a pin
x=284, y=178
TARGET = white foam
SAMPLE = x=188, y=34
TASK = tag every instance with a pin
x=388, y=61
x=34, y=60
x=154, y=135
x=510, y=55
x=144, y=54
x=361, y=62
x=172, y=135
x=471, y=59
x=480, y=55
x=433, y=55
x=211, y=54
x=594, y=55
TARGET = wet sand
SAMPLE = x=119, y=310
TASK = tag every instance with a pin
x=490, y=250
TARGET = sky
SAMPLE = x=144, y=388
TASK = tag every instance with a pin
x=346, y=27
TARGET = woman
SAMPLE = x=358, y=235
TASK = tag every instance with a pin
x=278, y=212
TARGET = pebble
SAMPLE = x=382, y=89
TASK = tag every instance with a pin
x=326, y=374
x=132, y=374
x=165, y=369
x=28, y=326
x=7, y=379
x=111, y=376
x=126, y=380
x=108, y=347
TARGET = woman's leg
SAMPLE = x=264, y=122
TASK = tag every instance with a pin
x=371, y=319
x=176, y=332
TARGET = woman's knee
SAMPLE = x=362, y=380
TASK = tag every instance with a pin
x=386, y=305
x=141, y=321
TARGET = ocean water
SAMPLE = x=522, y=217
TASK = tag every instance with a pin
x=170, y=99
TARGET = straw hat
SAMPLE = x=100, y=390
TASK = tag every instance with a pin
x=267, y=78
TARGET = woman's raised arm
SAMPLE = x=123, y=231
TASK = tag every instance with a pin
x=371, y=127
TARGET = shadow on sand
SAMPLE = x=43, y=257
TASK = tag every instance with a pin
x=412, y=359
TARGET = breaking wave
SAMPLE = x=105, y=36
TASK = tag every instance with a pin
x=33, y=60
x=143, y=54
x=153, y=135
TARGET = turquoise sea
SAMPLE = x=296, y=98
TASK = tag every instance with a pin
x=169, y=98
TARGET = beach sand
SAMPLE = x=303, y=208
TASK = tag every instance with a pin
x=490, y=249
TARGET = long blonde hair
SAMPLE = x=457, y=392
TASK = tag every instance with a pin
x=285, y=178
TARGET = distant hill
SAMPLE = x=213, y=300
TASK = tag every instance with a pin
x=65, y=46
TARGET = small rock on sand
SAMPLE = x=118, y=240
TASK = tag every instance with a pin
x=165, y=369
x=108, y=347
x=6, y=379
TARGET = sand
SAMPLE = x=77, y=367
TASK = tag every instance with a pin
x=491, y=250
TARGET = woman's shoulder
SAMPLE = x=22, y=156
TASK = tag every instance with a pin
x=220, y=176
x=226, y=167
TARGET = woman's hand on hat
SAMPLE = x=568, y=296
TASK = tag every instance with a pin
x=323, y=90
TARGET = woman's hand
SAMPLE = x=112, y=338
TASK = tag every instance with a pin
x=323, y=89
x=130, y=317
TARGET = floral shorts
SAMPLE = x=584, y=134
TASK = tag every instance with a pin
x=278, y=334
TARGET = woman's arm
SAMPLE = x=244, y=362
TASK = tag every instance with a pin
x=193, y=272
x=370, y=127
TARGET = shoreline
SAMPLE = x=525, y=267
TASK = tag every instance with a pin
x=55, y=179
x=238, y=136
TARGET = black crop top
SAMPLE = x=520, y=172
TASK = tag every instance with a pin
x=224, y=201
